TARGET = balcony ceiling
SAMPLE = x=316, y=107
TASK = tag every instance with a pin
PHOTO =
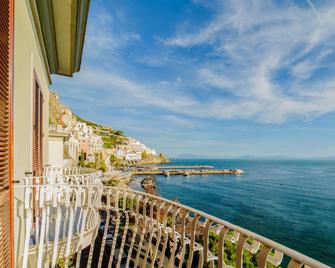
x=63, y=25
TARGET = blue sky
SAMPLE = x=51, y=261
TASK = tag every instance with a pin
x=211, y=77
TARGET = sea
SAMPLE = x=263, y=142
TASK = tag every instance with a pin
x=289, y=201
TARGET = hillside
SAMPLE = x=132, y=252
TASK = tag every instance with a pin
x=59, y=114
x=55, y=110
x=108, y=147
x=110, y=137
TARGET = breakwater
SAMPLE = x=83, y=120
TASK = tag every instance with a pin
x=186, y=167
x=184, y=172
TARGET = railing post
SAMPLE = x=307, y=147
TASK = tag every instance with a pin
x=108, y=211
x=263, y=255
x=239, y=254
x=56, y=205
x=42, y=206
x=183, y=238
x=193, y=230
x=221, y=245
x=72, y=208
x=173, y=237
x=117, y=225
x=206, y=239
x=28, y=202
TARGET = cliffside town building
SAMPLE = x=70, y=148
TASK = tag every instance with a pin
x=133, y=150
x=74, y=147
x=83, y=141
x=67, y=118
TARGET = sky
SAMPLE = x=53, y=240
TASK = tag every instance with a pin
x=211, y=77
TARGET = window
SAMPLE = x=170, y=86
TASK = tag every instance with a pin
x=37, y=130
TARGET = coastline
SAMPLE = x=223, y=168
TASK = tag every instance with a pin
x=267, y=188
x=277, y=193
x=148, y=171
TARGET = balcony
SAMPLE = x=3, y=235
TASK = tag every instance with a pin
x=72, y=220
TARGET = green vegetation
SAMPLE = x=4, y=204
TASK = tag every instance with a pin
x=90, y=165
x=100, y=127
x=110, y=137
x=102, y=167
x=112, y=141
x=144, y=155
x=148, y=159
x=98, y=164
x=119, y=132
x=89, y=123
x=71, y=262
x=116, y=162
x=169, y=221
x=82, y=160
x=249, y=260
x=113, y=158
x=129, y=203
x=112, y=183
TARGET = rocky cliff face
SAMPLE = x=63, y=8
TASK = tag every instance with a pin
x=160, y=159
x=59, y=114
x=54, y=109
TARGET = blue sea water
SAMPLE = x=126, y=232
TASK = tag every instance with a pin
x=289, y=201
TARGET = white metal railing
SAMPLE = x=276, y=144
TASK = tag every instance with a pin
x=62, y=219
x=60, y=209
x=47, y=171
x=78, y=222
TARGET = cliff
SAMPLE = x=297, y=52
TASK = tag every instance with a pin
x=160, y=159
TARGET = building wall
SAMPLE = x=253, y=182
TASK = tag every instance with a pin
x=84, y=147
x=73, y=144
x=27, y=61
x=56, y=152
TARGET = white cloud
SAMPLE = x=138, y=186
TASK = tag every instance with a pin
x=305, y=68
x=314, y=8
x=266, y=55
x=218, y=81
x=106, y=33
x=176, y=120
x=121, y=91
x=272, y=106
x=256, y=45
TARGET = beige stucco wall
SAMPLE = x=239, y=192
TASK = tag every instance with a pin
x=27, y=60
x=56, y=151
